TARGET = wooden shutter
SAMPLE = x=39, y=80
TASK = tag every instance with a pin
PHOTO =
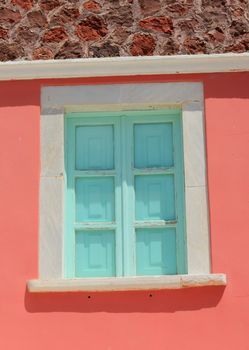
x=93, y=224
x=125, y=194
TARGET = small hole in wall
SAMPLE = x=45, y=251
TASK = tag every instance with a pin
x=150, y=295
x=89, y=297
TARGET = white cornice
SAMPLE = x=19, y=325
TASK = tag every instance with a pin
x=124, y=66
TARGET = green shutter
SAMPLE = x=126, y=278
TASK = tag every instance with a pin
x=124, y=194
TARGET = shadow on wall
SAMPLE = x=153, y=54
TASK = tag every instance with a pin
x=125, y=302
x=219, y=85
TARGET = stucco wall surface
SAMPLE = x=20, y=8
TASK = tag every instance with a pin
x=47, y=29
x=201, y=318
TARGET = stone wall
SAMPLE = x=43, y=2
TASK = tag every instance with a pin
x=47, y=29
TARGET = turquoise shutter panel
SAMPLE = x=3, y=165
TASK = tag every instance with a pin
x=94, y=147
x=153, y=145
x=95, y=254
x=93, y=175
x=154, y=199
x=156, y=251
x=94, y=197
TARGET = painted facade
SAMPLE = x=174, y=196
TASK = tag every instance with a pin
x=211, y=317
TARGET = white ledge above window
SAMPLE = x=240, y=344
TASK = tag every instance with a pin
x=126, y=283
x=121, y=66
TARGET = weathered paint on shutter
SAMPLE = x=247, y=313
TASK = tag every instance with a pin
x=125, y=194
x=93, y=239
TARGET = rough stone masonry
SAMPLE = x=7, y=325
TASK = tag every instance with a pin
x=60, y=29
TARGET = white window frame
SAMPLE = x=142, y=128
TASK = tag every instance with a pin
x=55, y=102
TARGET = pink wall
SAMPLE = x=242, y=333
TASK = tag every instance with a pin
x=192, y=319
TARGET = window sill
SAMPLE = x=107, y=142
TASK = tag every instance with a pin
x=126, y=283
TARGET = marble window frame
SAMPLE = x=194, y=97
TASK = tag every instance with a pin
x=57, y=100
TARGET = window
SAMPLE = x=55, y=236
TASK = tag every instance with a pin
x=56, y=247
x=124, y=194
